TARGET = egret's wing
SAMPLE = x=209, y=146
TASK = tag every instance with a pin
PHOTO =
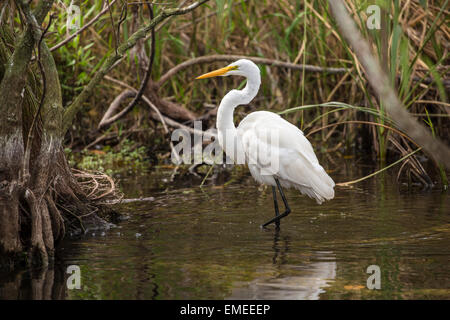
x=279, y=148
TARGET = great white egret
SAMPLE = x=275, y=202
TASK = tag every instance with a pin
x=292, y=161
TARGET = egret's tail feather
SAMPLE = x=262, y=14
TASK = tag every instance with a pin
x=322, y=184
x=319, y=184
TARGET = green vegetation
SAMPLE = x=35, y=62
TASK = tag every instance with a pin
x=106, y=160
x=410, y=45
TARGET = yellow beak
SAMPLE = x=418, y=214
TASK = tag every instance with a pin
x=218, y=72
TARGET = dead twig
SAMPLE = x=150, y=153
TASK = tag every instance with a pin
x=98, y=186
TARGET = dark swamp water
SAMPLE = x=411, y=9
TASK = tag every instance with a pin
x=206, y=243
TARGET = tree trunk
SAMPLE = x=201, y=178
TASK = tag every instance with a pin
x=39, y=195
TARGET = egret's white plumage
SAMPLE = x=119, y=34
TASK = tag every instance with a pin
x=297, y=165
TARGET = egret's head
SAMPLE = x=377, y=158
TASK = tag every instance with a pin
x=242, y=67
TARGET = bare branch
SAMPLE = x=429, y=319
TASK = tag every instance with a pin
x=230, y=58
x=107, y=121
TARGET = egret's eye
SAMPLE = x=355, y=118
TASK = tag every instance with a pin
x=234, y=68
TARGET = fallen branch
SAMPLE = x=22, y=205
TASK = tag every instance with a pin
x=156, y=115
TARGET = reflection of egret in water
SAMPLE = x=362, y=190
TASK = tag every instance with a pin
x=305, y=281
x=280, y=250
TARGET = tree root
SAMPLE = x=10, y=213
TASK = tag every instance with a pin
x=37, y=252
x=72, y=202
x=57, y=220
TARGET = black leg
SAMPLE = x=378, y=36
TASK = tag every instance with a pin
x=275, y=205
x=283, y=196
x=279, y=217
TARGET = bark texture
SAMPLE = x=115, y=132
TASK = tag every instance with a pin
x=39, y=194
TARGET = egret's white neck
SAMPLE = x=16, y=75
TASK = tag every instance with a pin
x=233, y=99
